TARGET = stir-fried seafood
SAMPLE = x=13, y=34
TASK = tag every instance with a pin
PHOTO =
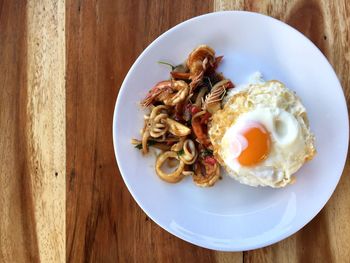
x=179, y=112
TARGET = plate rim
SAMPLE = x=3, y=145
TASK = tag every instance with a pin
x=122, y=90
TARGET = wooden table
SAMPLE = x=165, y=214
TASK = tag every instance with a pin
x=61, y=65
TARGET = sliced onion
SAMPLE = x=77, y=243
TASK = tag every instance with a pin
x=177, y=128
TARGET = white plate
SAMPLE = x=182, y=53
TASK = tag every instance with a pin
x=231, y=216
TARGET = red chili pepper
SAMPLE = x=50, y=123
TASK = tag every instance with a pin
x=195, y=109
x=210, y=160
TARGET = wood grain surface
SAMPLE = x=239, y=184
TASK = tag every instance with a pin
x=32, y=141
x=61, y=65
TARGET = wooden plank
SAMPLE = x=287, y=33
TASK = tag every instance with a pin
x=17, y=236
x=32, y=211
x=327, y=24
x=104, y=224
x=46, y=131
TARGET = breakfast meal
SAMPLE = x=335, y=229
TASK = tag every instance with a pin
x=200, y=121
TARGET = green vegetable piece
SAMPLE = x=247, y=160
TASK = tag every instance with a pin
x=149, y=143
x=181, y=152
x=167, y=64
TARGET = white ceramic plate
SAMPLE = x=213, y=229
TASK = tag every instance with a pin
x=231, y=216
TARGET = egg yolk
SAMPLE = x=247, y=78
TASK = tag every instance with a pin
x=258, y=146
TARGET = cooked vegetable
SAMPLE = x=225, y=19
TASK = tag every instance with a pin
x=149, y=143
x=177, y=129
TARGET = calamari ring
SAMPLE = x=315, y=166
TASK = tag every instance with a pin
x=190, y=153
x=178, y=146
x=173, y=177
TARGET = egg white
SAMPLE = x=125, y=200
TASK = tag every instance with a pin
x=281, y=112
x=285, y=144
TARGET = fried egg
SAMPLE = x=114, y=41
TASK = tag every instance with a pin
x=262, y=134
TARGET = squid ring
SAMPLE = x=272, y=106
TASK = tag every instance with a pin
x=178, y=146
x=173, y=177
x=190, y=153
